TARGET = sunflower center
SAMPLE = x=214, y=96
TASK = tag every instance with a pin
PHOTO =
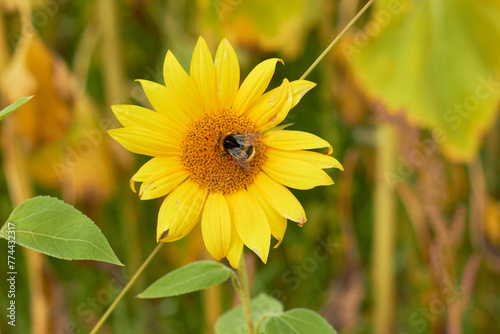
x=209, y=164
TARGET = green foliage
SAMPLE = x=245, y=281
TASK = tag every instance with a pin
x=300, y=321
x=233, y=321
x=269, y=318
x=50, y=226
x=14, y=106
x=192, y=277
x=434, y=63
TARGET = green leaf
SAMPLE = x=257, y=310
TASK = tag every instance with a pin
x=14, y=106
x=192, y=277
x=298, y=321
x=233, y=321
x=50, y=226
x=431, y=61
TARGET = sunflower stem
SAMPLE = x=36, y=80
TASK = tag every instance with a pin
x=241, y=286
x=339, y=36
x=125, y=289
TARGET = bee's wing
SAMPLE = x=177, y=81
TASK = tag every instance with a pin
x=243, y=163
x=240, y=156
x=248, y=138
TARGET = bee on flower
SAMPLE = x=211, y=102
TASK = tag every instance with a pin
x=218, y=155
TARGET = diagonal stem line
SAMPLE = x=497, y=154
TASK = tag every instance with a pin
x=339, y=36
x=125, y=289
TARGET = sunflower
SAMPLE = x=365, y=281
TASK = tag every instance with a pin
x=238, y=192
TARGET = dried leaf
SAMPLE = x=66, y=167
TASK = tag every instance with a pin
x=35, y=70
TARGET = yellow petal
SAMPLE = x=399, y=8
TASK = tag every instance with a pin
x=130, y=115
x=250, y=223
x=294, y=140
x=145, y=141
x=299, y=89
x=203, y=74
x=277, y=223
x=216, y=225
x=162, y=184
x=254, y=85
x=271, y=108
x=235, y=249
x=159, y=97
x=181, y=87
x=317, y=159
x=154, y=168
x=180, y=211
x=227, y=70
x=280, y=198
x=294, y=173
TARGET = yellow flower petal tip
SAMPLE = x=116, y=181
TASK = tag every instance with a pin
x=264, y=259
x=132, y=185
x=234, y=185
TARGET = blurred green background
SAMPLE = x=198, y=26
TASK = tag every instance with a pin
x=406, y=241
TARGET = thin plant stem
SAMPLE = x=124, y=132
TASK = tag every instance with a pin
x=342, y=33
x=110, y=50
x=125, y=289
x=240, y=283
x=260, y=322
x=384, y=230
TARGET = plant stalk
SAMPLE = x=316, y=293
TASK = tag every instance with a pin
x=339, y=36
x=125, y=289
x=384, y=231
x=241, y=285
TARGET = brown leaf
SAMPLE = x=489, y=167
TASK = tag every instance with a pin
x=36, y=70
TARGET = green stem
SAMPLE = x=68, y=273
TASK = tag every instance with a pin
x=342, y=33
x=125, y=289
x=384, y=230
x=240, y=283
x=261, y=320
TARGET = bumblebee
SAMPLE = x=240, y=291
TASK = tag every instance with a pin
x=240, y=147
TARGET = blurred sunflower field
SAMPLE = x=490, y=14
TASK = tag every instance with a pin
x=407, y=240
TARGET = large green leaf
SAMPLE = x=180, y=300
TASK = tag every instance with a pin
x=50, y=226
x=14, y=106
x=298, y=321
x=233, y=321
x=192, y=277
x=438, y=62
